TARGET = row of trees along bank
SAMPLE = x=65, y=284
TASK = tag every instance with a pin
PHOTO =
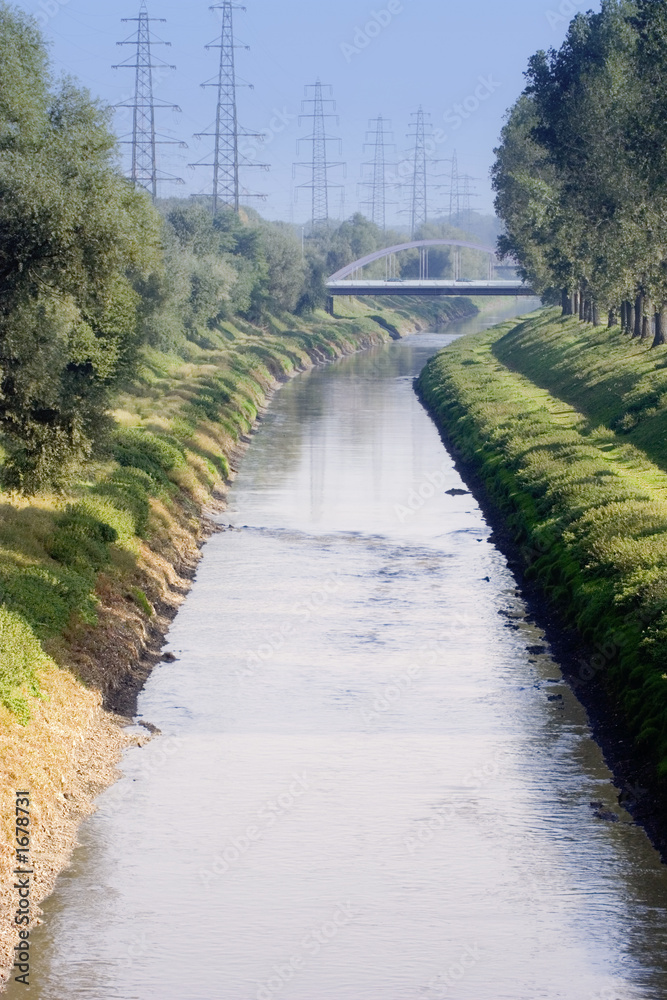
x=581, y=176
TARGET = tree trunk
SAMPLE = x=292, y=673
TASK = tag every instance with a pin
x=596, y=315
x=660, y=337
x=646, y=320
x=565, y=302
x=612, y=318
x=631, y=318
x=582, y=306
x=639, y=316
x=574, y=304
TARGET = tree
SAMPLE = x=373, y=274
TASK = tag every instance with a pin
x=73, y=235
x=580, y=173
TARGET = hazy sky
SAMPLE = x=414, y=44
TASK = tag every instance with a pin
x=381, y=58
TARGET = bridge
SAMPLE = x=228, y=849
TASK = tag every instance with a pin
x=348, y=280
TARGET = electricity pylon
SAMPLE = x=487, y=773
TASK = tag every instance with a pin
x=419, y=207
x=227, y=162
x=454, y=189
x=423, y=164
x=379, y=139
x=143, y=139
x=460, y=195
x=319, y=166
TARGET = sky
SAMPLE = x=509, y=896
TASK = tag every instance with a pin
x=462, y=61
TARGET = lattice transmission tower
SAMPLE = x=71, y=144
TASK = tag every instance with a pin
x=454, y=189
x=143, y=138
x=419, y=207
x=320, y=166
x=461, y=195
x=379, y=138
x=227, y=161
x=423, y=169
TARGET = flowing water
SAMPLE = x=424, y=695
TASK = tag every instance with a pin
x=372, y=783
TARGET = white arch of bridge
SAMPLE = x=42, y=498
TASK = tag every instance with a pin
x=350, y=269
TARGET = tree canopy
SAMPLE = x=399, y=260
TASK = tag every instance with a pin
x=73, y=234
x=580, y=175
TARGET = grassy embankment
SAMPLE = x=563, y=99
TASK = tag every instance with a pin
x=89, y=581
x=567, y=427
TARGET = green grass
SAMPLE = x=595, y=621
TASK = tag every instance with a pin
x=539, y=409
x=22, y=658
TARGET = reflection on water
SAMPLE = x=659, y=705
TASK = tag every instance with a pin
x=371, y=784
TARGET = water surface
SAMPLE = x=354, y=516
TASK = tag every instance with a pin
x=372, y=783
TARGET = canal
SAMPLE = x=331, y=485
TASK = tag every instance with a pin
x=371, y=782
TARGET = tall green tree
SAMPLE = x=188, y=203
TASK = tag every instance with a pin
x=580, y=175
x=73, y=238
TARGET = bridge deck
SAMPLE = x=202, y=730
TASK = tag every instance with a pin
x=429, y=287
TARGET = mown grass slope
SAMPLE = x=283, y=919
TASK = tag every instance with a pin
x=565, y=425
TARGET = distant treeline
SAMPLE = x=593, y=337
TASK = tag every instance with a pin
x=581, y=175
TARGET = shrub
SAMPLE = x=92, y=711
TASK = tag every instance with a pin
x=150, y=453
x=81, y=540
x=130, y=490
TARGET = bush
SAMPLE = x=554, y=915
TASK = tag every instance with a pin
x=130, y=490
x=151, y=454
x=81, y=541
x=47, y=598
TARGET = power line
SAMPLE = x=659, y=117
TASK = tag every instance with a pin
x=144, y=139
x=227, y=162
x=319, y=166
x=380, y=138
